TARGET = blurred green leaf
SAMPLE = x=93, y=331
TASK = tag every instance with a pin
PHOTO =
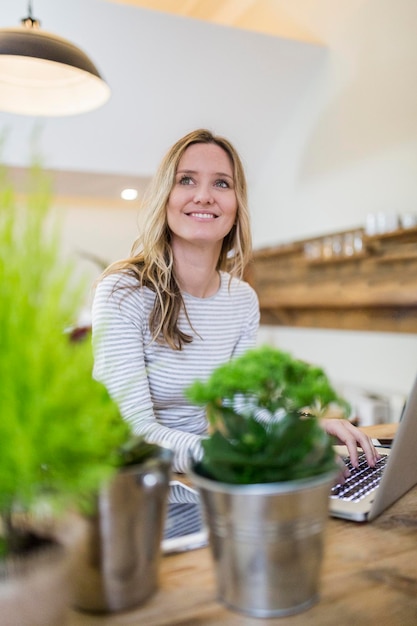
x=60, y=433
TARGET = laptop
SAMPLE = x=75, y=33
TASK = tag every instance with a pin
x=395, y=474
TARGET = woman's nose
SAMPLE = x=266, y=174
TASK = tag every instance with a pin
x=203, y=195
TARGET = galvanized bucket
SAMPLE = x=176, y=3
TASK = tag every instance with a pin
x=266, y=542
x=118, y=565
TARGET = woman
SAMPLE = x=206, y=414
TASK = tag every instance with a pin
x=178, y=307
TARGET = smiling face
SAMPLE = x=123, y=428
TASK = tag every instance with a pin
x=202, y=205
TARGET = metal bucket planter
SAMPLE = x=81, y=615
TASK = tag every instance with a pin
x=267, y=542
x=35, y=587
x=118, y=565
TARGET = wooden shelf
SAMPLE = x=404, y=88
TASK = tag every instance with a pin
x=374, y=289
x=335, y=259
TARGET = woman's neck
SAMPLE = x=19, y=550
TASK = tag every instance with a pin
x=196, y=271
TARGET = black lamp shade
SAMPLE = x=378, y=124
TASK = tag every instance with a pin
x=43, y=74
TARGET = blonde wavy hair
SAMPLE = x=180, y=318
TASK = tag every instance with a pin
x=151, y=260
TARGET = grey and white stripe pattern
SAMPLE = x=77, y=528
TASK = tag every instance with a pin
x=148, y=380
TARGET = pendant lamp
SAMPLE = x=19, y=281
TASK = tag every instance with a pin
x=43, y=74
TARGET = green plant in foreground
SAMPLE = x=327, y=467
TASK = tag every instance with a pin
x=290, y=444
x=60, y=433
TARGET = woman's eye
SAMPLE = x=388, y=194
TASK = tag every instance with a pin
x=185, y=180
x=222, y=183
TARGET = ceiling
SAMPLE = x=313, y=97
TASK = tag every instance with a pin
x=172, y=66
x=262, y=16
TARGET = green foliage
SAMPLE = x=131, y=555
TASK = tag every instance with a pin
x=59, y=430
x=135, y=450
x=296, y=447
x=272, y=378
x=242, y=449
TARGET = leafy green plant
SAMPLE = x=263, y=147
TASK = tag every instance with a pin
x=287, y=441
x=61, y=435
x=135, y=450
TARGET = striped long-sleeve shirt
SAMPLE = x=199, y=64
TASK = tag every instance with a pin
x=147, y=379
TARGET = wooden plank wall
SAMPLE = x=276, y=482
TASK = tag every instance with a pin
x=345, y=280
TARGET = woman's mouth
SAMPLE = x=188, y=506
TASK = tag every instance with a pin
x=204, y=216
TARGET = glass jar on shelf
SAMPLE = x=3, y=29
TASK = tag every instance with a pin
x=358, y=242
x=312, y=250
x=348, y=244
x=327, y=248
x=337, y=245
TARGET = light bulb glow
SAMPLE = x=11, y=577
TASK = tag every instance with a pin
x=129, y=194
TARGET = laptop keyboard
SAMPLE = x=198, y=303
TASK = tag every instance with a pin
x=362, y=480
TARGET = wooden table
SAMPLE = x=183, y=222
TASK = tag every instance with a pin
x=381, y=431
x=369, y=576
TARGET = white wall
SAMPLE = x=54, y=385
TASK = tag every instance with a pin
x=99, y=231
x=349, y=148
x=350, y=145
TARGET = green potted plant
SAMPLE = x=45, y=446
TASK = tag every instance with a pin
x=264, y=476
x=61, y=436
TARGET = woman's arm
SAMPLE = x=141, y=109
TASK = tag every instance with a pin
x=118, y=317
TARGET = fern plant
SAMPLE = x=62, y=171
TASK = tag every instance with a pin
x=60, y=433
x=263, y=411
